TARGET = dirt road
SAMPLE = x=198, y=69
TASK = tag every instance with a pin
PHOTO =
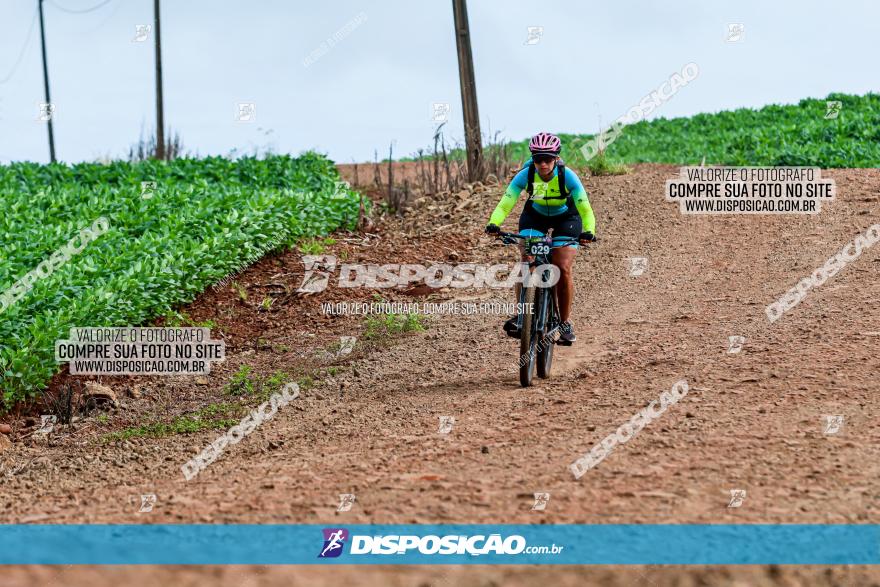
x=755, y=420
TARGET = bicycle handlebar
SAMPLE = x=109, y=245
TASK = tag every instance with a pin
x=504, y=236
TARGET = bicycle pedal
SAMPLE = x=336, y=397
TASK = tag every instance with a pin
x=564, y=342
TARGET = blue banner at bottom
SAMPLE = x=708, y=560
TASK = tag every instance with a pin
x=508, y=544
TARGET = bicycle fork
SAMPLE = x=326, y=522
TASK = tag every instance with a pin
x=544, y=305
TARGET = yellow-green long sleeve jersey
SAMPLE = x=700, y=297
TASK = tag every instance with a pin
x=542, y=194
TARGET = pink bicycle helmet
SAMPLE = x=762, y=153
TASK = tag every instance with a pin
x=545, y=143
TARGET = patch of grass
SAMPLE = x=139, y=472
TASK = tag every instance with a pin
x=334, y=349
x=374, y=327
x=414, y=323
x=267, y=302
x=217, y=416
x=601, y=165
x=240, y=384
x=315, y=246
x=242, y=292
x=393, y=324
x=222, y=409
x=273, y=384
x=180, y=425
x=174, y=319
x=243, y=384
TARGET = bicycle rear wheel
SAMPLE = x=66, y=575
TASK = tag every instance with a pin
x=528, y=338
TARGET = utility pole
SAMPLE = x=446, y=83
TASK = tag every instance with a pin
x=50, y=110
x=160, y=114
x=473, y=139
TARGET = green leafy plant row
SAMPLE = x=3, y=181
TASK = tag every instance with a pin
x=204, y=218
x=792, y=134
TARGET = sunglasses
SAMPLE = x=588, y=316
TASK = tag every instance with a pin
x=543, y=158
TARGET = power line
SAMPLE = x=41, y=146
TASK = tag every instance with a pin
x=87, y=10
x=30, y=32
x=22, y=52
x=104, y=22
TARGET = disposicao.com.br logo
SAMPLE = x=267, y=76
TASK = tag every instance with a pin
x=451, y=544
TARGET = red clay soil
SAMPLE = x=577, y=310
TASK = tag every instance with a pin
x=368, y=424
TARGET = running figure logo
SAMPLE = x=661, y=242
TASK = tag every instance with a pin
x=334, y=540
x=534, y=35
x=735, y=344
x=541, y=500
x=141, y=32
x=346, y=500
x=147, y=503
x=735, y=32
x=832, y=110
x=637, y=266
x=833, y=423
x=440, y=111
x=737, y=496
x=47, y=424
x=47, y=111
x=317, y=273
x=446, y=424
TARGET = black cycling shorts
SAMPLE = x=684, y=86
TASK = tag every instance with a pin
x=566, y=224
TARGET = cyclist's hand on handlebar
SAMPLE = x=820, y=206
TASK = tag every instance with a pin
x=586, y=237
x=493, y=229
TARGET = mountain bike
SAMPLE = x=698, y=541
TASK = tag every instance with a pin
x=538, y=320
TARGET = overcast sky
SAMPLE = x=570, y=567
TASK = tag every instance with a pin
x=378, y=82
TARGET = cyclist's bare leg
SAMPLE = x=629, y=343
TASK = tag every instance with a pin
x=563, y=257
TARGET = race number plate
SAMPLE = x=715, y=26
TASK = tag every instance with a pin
x=539, y=249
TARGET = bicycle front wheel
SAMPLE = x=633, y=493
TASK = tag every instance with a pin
x=545, y=344
x=528, y=338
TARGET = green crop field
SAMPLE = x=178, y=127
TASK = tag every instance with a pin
x=797, y=134
x=147, y=250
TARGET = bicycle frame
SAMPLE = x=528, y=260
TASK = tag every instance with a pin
x=548, y=307
x=539, y=323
